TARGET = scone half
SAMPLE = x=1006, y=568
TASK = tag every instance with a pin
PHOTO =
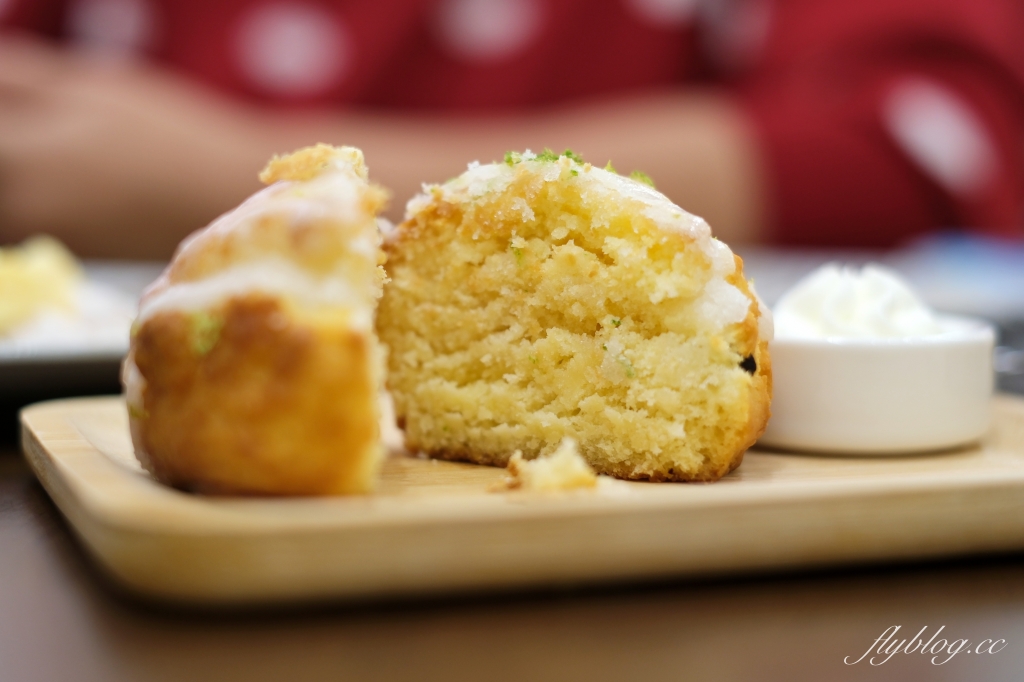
x=544, y=298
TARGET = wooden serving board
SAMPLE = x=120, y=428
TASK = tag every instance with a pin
x=434, y=526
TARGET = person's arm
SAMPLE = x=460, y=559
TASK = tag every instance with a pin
x=696, y=147
x=123, y=160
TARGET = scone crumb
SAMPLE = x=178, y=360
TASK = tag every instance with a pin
x=563, y=469
x=309, y=162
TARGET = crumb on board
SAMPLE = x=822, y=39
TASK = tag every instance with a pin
x=563, y=469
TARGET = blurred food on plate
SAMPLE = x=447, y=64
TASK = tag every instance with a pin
x=48, y=305
x=844, y=123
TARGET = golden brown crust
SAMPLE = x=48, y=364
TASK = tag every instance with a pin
x=469, y=398
x=269, y=402
x=760, y=395
x=309, y=162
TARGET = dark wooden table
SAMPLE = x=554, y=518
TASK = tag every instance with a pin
x=60, y=620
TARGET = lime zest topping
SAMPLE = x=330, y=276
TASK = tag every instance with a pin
x=136, y=412
x=609, y=167
x=512, y=158
x=573, y=156
x=206, y=329
x=616, y=321
x=517, y=245
x=640, y=176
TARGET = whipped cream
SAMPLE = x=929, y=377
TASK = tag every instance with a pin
x=843, y=302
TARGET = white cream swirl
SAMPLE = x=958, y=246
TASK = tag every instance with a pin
x=842, y=302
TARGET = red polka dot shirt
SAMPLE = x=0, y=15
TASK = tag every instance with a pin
x=878, y=119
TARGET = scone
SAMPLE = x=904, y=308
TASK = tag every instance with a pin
x=254, y=367
x=544, y=298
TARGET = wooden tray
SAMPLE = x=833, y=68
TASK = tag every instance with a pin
x=434, y=527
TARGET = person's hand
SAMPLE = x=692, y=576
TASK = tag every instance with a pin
x=114, y=157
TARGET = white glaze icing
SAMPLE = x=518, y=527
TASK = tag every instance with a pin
x=333, y=195
x=134, y=382
x=720, y=304
x=271, y=275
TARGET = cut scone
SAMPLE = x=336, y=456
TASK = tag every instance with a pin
x=254, y=367
x=544, y=298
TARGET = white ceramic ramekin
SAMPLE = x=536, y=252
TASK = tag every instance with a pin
x=884, y=396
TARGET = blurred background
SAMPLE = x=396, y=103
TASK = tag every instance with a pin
x=802, y=130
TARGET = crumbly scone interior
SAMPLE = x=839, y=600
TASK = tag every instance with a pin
x=557, y=307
